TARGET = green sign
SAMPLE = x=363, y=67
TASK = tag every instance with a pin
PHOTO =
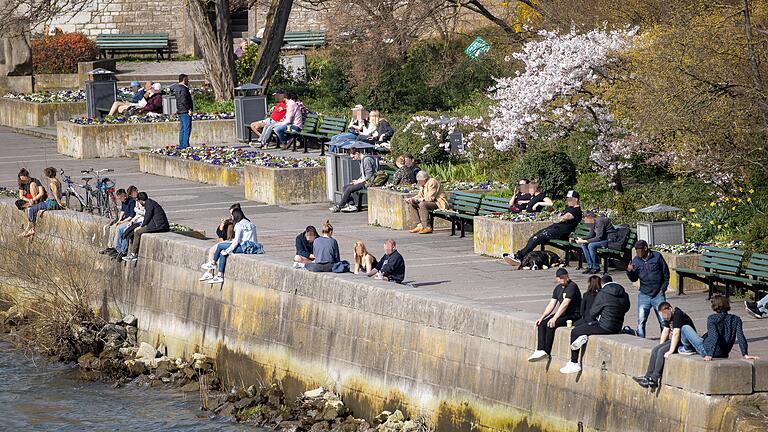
x=477, y=48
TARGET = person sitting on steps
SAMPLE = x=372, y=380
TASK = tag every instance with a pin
x=305, y=247
x=431, y=196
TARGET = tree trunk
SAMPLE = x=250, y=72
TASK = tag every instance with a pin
x=215, y=39
x=269, y=52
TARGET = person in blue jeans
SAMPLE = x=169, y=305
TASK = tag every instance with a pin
x=597, y=238
x=652, y=271
x=723, y=331
x=245, y=232
x=184, y=108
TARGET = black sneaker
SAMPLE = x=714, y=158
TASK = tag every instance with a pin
x=753, y=309
x=642, y=380
x=652, y=383
x=587, y=271
x=594, y=271
x=107, y=251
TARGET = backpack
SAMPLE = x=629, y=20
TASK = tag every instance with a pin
x=303, y=109
x=341, y=267
x=618, y=238
x=379, y=178
x=251, y=248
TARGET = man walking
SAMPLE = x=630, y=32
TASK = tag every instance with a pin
x=651, y=270
x=184, y=107
x=155, y=221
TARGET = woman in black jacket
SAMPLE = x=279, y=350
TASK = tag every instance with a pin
x=606, y=316
x=588, y=299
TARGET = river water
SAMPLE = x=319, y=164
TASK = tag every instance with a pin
x=40, y=396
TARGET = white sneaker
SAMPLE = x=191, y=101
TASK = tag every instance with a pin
x=538, y=355
x=334, y=209
x=206, y=276
x=208, y=266
x=571, y=368
x=131, y=257
x=349, y=208
x=579, y=342
x=215, y=280
x=297, y=265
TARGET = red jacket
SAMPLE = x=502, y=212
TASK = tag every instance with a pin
x=278, y=114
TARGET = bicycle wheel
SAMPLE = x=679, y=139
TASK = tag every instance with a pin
x=72, y=202
x=91, y=205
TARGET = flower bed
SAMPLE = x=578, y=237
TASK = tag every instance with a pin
x=40, y=109
x=494, y=236
x=49, y=97
x=522, y=217
x=237, y=157
x=150, y=118
x=695, y=248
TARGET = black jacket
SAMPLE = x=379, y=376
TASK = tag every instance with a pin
x=154, y=217
x=610, y=306
x=184, y=103
x=392, y=266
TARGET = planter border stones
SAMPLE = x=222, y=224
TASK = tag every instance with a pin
x=282, y=186
x=168, y=166
x=116, y=140
x=494, y=237
x=20, y=113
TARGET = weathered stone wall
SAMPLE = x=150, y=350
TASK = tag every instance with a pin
x=17, y=113
x=45, y=82
x=383, y=346
x=388, y=209
x=280, y=186
x=301, y=19
x=167, y=166
x=495, y=237
x=115, y=140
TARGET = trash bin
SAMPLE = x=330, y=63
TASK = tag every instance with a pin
x=665, y=232
x=100, y=92
x=169, y=104
x=249, y=107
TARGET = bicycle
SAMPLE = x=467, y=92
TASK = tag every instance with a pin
x=72, y=197
x=104, y=193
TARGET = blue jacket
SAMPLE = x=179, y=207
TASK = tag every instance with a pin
x=653, y=273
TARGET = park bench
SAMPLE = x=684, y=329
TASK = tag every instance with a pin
x=463, y=207
x=719, y=266
x=622, y=254
x=139, y=43
x=567, y=246
x=754, y=277
x=493, y=205
x=309, y=130
x=328, y=128
x=300, y=40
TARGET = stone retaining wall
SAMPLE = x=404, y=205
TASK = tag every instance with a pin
x=18, y=113
x=47, y=82
x=281, y=186
x=387, y=208
x=495, y=237
x=168, y=166
x=385, y=346
x=115, y=140
x=690, y=261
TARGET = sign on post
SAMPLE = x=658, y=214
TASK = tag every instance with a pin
x=477, y=48
x=456, y=140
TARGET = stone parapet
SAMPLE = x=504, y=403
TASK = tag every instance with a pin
x=281, y=186
x=19, y=113
x=495, y=237
x=168, y=166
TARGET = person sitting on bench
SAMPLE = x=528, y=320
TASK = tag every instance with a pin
x=601, y=226
x=520, y=196
x=154, y=101
x=564, y=224
x=368, y=167
x=431, y=197
x=358, y=125
x=263, y=128
x=378, y=131
x=539, y=199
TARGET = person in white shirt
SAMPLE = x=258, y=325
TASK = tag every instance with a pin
x=245, y=232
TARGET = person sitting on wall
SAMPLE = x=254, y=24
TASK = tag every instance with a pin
x=263, y=128
x=304, y=247
x=588, y=298
x=31, y=190
x=155, y=221
x=369, y=165
x=431, y=196
x=539, y=200
x=391, y=267
x=406, y=171
x=127, y=212
x=601, y=227
x=125, y=232
x=363, y=261
x=225, y=232
x=326, y=251
x=245, y=234
x=54, y=203
x=564, y=224
x=520, y=196
x=564, y=306
x=606, y=316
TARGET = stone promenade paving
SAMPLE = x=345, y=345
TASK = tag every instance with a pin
x=438, y=265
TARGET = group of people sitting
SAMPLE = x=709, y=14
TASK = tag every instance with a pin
x=364, y=128
x=235, y=235
x=319, y=252
x=138, y=215
x=287, y=116
x=145, y=100
x=33, y=197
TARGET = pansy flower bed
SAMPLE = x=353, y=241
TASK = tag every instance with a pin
x=49, y=97
x=523, y=217
x=237, y=157
x=459, y=186
x=8, y=193
x=150, y=118
x=695, y=248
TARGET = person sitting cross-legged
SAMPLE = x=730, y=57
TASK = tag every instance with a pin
x=601, y=226
x=391, y=267
x=606, y=316
x=431, y=196
x=674, y=320
x=326, y=250
x=245, y=233
x=304, y=247
x=564, y=306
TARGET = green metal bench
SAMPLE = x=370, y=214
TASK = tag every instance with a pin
x=720, y=266
x=754, y=277
x=146, y=42
x=328, y=128
x=493, y=205
x=359, y=195
x=567, y=246
x=304, y=39
x=309, y=130
x=623, y=254
x=464, y=206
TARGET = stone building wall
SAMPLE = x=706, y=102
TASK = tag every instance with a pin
x=301, y=19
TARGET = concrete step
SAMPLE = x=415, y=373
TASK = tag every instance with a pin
x=39, y=132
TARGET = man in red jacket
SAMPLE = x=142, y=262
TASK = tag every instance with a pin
x=263, y=128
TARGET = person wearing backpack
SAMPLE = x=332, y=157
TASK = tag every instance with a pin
x=371, y=176
x=293, y=120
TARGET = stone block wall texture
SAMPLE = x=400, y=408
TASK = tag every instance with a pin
x=384, y=346
x=388, y=209
x=684, y=261
x=16, y=113
x=167, y=166
x=281, y=186
x=495, y=237
x=116, y=140
x=47, y=82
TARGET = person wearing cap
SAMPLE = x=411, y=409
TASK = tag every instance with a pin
x=564, y=306
x=154, y=100
x=651, y=270
x=564, y=224
x=263, y=128
x=601, y=226
x=606, y=316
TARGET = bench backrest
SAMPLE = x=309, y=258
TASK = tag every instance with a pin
x=146, y=40
x=719, y=260
x=465, y=202
x=758, y=266
x=305, y=38
x=311, y=122
x=582, y=230
x=493, y=205
x=331, y=126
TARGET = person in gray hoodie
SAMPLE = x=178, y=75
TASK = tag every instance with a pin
x=605, y=317
x=368, y=167
x=597, y=238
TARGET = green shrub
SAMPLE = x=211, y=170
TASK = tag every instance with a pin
x=554, y=170
x=755, y=234
x=60, y=53
x=595, y=191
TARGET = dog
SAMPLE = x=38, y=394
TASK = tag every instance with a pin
x=540, y=260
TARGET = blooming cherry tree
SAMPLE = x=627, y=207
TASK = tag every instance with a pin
x=552, y=96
